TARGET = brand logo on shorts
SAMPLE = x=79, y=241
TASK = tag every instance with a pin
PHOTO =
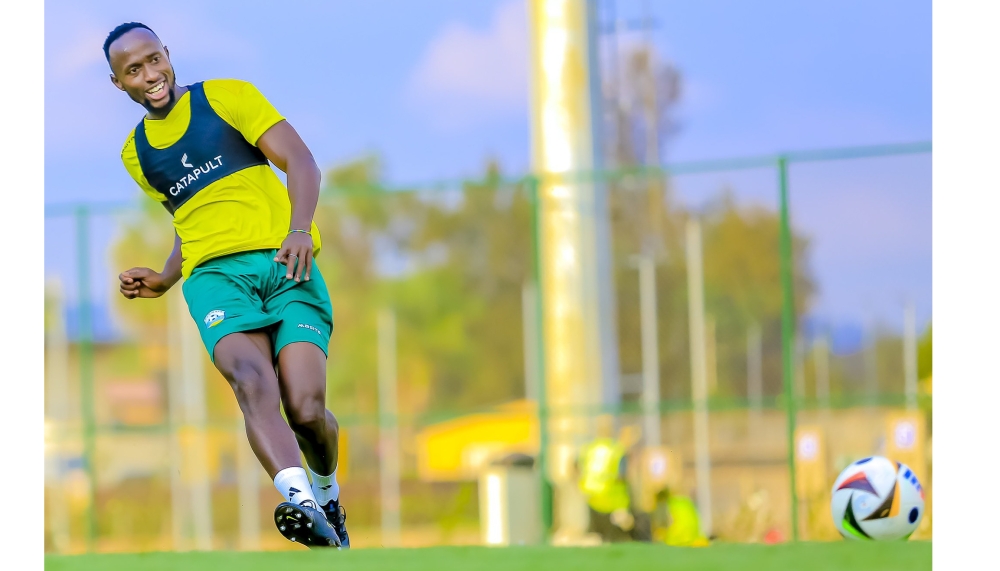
x=304, y=326
x=214, y=317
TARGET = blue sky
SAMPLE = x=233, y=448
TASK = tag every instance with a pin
x=436, y=87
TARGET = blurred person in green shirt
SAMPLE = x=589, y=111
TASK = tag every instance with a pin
x=602, y=469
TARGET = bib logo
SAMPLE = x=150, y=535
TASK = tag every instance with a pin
x=185, y=163
x=214, y=317
x=194, y=174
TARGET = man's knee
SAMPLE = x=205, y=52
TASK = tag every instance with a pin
x=252, y=383
x=308, y=414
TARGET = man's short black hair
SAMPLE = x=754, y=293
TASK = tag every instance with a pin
x=119, y=32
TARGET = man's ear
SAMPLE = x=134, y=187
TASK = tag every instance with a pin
x=117, y=83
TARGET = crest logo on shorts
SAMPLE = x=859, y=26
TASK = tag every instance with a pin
x=214, y=317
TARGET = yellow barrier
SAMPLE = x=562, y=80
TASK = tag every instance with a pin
x=456, y=450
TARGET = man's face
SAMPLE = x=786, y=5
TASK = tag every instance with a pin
x=142, y=69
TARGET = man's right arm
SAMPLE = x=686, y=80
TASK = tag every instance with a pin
x=144, y=282
x=172, y=268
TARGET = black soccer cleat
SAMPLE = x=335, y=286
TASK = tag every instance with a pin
x=304, y=523
x=337, y=517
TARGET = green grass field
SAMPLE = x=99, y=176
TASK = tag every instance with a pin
x=904, y=556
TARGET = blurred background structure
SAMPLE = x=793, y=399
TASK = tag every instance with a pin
x=761, y=318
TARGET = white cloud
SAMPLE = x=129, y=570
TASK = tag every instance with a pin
x=472, y=74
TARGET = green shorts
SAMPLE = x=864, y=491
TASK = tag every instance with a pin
x=248, y=291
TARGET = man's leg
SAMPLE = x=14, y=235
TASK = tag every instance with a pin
x=244, y=359
x=301, y=338
x=642, y=529
x=223, y=297
x=234, y=328
x=302, y=376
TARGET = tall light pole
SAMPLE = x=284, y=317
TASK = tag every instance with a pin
x=579, y=346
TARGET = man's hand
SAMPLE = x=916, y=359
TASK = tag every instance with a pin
x=283, y=147
x=297, y=247
x=142, y=282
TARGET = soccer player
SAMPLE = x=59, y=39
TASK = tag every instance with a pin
x=244, y=244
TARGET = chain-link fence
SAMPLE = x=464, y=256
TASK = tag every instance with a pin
x=810, y=313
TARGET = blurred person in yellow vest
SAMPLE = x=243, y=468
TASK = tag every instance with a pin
x=676, y=521
x=602, y=478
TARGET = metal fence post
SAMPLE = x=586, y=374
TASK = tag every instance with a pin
x=86, y=356
x=388, y=413
x=543, y=429
x=788, y=335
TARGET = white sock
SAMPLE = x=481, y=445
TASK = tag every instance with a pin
x=293, y=483
x=325, y=488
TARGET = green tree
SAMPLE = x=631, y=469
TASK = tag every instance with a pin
x=742, y=272
x=742, y=281
x=450, y=264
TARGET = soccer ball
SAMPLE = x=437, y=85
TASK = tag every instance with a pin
x=877, y=499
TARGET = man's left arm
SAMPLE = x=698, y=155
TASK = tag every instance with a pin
x=282, y=146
